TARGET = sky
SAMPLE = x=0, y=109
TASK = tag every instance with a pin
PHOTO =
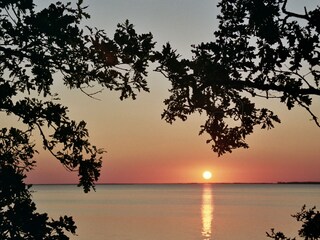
x=142, y=148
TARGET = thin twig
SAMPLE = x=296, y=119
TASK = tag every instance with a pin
x=314, y=117
x=91, y=95
x=10, y=16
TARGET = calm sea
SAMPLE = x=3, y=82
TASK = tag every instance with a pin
x=179, y=212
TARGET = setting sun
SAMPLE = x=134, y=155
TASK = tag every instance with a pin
x=207, y=175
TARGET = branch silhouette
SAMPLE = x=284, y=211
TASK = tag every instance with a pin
x=260, y=50
x=34, y=47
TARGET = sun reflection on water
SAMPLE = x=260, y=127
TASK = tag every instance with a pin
x=207, y=212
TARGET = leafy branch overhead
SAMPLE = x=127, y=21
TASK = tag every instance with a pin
x=37, y=49
x=34, y=46
x=260, y=50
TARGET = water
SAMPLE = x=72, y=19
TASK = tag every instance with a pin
x=179, y=212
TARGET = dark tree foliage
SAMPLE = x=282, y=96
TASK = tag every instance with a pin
x=35, y=46
x=260, y=50
x=310, y=229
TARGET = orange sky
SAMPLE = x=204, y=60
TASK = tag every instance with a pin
x=142, y=148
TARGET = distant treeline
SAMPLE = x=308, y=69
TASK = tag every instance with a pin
x=298, y=182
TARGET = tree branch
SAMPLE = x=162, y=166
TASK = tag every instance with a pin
x=274, y=87
x=291, y=14
x=45, y=142
x=314, y=117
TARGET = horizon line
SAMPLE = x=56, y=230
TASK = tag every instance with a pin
x=191, y=183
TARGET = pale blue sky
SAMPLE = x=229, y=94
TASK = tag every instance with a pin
x=181, y=22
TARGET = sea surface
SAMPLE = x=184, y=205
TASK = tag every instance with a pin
x=179, y=212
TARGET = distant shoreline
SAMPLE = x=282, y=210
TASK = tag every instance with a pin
x=298, y=182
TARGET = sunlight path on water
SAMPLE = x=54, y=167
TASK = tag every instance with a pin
x=207, y=211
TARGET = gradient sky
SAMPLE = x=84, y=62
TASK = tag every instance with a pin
x=142, y=148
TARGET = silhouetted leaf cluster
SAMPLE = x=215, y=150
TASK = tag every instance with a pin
x=310, y=229
x=260, y=50
x=34, y=46
x=38, y=48
x=19, y=219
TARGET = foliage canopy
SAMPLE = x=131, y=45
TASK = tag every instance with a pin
x=260, y=50
x=34, y=47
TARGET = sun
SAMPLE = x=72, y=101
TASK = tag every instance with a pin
x=207, y=175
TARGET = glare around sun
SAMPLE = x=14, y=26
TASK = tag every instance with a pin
x=207, y=175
